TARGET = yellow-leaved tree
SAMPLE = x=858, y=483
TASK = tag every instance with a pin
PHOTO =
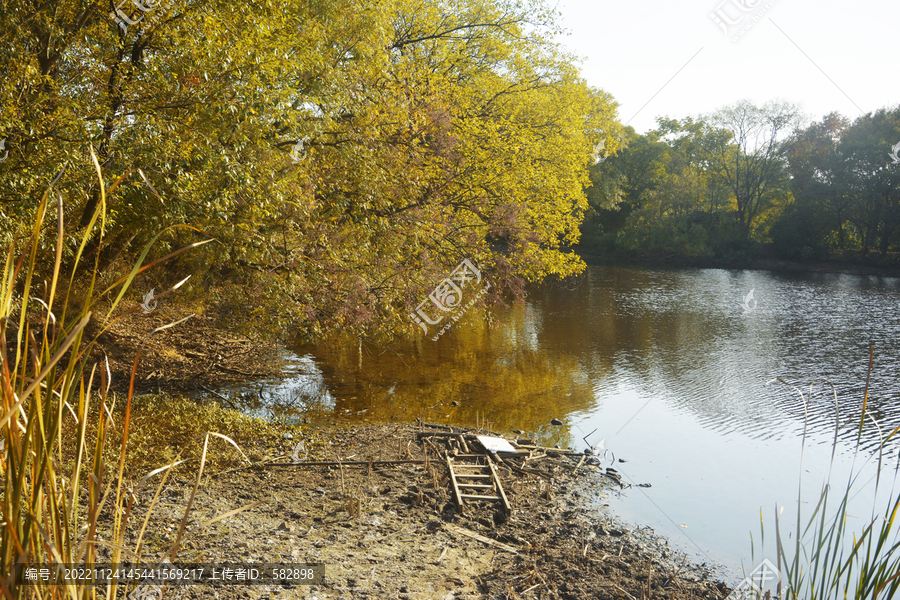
x=347, y=157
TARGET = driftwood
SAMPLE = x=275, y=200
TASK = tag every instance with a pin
x=244, y=373
x=349, y=463
x=223, y=398
x=444, y=427
x=580, y=462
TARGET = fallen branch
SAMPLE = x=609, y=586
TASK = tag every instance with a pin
x=231, y=513
x=551, y=451
x=513, y=466
x=624, y=592
x=436, y=426
x=215, y=393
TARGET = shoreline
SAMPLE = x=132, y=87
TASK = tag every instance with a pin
x=393, y=531
x=569, y=545
x=202, y=355
x=762, y=264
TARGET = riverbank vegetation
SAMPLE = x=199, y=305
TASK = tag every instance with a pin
x=823, y=556
x=92, y=477
x=325, y=166
x=752, y=181
x=344, y=160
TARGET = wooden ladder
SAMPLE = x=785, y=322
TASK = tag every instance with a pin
x=475, y=480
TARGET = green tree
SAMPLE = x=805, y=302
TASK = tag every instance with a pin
x=822, y=203
x=844, y=185
x=751, y=160
x=871, y=179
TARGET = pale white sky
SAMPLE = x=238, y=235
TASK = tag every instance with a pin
x=826, y=55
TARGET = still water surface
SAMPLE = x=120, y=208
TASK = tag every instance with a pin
x=671, y=370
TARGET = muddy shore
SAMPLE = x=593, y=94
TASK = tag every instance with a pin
x=197, y=355
x=393, y=530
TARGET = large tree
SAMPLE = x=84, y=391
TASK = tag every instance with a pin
x=751, y=160
x=868, y=173
x=821, y=202
x=345, y=156
x=845, y=185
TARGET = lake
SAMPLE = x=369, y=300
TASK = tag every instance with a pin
x=669, y=368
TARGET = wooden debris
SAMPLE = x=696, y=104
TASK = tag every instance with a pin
x=551, y=451
x=580, y=462
x=519, y=469
x=532, y=456
x=476, y=477
x=506, y=506
x=461, y=437
x=347, y=463
x=459, y=530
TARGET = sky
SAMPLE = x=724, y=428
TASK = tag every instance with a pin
x=670, y=58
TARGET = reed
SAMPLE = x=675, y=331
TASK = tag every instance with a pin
x=54, y=503
x=825, y=559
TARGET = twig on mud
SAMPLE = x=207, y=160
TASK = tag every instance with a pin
x=446, y=427
x=461, y=531
x=242, y=468
x=512, y=466
x=624, y=592
x=345, y=463
x=580, y=462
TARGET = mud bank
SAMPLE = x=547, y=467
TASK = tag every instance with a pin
x=392, y=529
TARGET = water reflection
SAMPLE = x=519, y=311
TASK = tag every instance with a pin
x=676, y=336
x=473, y=374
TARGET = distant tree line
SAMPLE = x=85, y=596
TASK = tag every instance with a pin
x=727, y=184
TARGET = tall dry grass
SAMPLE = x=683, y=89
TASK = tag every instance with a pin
x=51, y=514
